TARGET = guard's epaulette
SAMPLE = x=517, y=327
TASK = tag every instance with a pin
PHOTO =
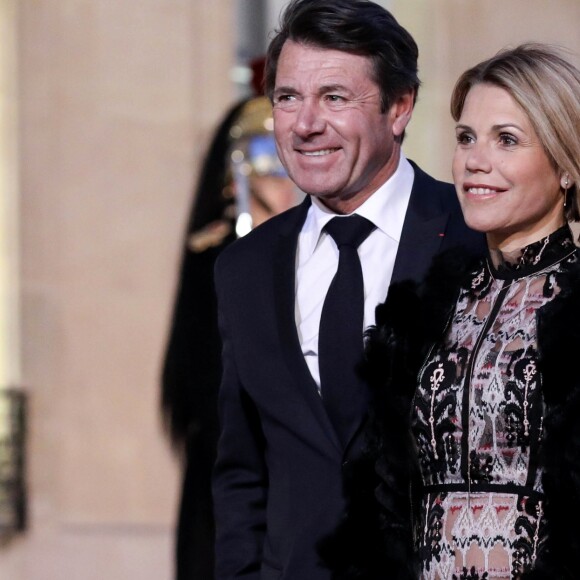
x=211, y=235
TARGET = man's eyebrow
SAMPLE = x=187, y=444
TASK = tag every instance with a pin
x=285, y=90
x=322, y=90
x=338, y=88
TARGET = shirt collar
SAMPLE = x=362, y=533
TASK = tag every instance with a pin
x=386, y=208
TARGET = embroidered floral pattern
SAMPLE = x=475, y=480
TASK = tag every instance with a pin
x=523, y=399
x=470, y=575
x=433, y=526
x=436, y=405
x=478, y=420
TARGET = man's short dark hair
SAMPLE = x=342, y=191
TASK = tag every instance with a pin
x=354, y=26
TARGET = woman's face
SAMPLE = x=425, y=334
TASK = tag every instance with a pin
x=506, y=185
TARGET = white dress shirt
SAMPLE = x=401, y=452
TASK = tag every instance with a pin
x=317, y=257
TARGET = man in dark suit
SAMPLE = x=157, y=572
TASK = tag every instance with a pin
x=342, y=76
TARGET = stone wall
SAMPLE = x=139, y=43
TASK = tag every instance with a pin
x=117, y=102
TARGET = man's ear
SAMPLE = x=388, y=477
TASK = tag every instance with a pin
x=401, y=112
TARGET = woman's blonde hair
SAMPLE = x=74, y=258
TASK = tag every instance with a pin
x=547, y=87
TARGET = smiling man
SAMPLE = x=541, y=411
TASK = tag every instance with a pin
x=333, y=135
x=296, y=294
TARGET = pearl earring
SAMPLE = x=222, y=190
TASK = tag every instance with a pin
x=566, y=191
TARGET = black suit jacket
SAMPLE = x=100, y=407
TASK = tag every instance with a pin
x=278, y=478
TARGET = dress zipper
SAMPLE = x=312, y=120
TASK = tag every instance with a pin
x=466, y=457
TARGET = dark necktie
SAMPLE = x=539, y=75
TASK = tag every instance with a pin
x=340, y=340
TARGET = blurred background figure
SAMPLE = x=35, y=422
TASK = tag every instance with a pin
x=242, y=184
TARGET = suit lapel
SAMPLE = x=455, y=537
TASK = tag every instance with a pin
x=419, y=244
x=423, y=229
x=285, y=296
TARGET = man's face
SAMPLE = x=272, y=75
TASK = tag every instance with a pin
x=330, y=133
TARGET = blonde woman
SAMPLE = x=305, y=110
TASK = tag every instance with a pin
x=476, y=373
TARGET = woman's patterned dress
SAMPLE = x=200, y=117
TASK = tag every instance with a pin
x=477, y=421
